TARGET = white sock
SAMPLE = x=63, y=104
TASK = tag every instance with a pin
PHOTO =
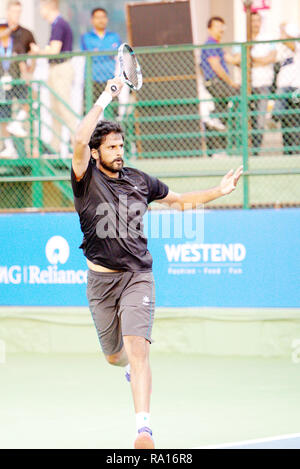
x=127, y=369
x=142, y=420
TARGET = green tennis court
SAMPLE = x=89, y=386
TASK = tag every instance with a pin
x=75, y=401
x=58, y=392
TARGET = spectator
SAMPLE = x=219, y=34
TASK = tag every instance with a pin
x=100, y=39
x=9, y=71
x=24, y=37
x=214, y=65
x=18, y=32
x=61, y=72
x=263, y=59
x=288, y=82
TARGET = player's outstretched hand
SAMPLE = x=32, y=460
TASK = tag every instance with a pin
x=114, y=86
x=230, y=180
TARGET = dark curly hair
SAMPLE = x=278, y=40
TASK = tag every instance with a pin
x=214, y=18
x=102, y=129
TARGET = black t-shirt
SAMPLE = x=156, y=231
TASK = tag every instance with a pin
x=24, y=37
x=111, y=212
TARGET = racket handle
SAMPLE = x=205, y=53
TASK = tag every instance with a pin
x=114, y=88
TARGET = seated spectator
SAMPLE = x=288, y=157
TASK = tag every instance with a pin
x=217, y=80
x=288, y=82
x=100, y=39
x=9, y=71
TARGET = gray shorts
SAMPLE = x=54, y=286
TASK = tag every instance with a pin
x=121, y=303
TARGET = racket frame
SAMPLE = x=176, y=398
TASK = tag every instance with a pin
x=123, y=75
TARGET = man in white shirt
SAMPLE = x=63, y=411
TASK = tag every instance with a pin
x=288, y=84
x=263, y=59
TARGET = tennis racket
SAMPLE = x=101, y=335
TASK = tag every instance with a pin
x=130, y=70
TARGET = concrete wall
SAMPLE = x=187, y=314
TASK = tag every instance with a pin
x=200, y=12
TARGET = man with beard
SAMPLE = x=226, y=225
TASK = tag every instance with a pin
x=111, y=200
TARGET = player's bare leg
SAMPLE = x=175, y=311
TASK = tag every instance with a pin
x=137, y=349
x=118, y=359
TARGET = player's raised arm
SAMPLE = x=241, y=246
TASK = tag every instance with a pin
x=190, y=200
x=87, y=126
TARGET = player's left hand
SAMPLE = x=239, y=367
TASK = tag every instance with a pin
x=230, y=180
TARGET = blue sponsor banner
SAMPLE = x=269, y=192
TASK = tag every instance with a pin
x=247, y=259
x=232, y=258
x=40, y=263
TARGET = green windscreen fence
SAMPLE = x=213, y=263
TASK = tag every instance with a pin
x=205, y=331
x=184, y=126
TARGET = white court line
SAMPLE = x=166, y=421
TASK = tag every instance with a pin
x=250, y=442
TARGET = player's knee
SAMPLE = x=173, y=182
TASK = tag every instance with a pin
x=139, y=349
x=113, y=359
x=117, y=359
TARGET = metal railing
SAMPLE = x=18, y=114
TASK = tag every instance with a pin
x=175, y=129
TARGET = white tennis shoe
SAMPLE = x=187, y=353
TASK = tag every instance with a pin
x=9, y=151
x=15, y=128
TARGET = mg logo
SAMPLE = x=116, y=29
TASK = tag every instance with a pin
x=57, y=250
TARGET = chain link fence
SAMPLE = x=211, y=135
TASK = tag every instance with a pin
x=186, y=125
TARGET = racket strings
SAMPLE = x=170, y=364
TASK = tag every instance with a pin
x=130, y=69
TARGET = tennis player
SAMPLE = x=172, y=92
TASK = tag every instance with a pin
x=111, y=200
